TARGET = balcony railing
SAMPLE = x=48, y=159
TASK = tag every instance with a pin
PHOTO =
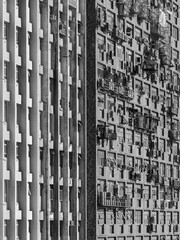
x=114, y=202
x=115, y=88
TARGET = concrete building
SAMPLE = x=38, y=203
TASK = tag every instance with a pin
x=42, y=120
x=90, y=120
x=133, y=120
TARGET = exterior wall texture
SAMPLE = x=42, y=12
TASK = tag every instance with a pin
x=136, y=85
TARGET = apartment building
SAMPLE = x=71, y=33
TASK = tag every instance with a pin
x=42, y=120
x=133, y=120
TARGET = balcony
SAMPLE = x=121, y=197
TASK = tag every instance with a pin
x=166, y=61
x=174, y=135
x=172, y=110
x=150, y=66
x=158, y=31
x=113, y=202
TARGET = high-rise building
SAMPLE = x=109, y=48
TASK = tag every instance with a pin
x=42, y=120
x=90, y=120
x=133, y=120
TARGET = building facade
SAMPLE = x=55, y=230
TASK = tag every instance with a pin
x=42, y=121
x=133, y=120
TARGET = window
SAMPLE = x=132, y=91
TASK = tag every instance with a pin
x=162, y=193
x=168, y=218
x=6, y=111
x=146, y=217
x=175, y=102
x=5, y=30
x=120, y=161
x=138, y=217
x=129, y=217
x=162, y=145
x=162, y=218
x=110, y=20
x=129, y=56
x=175, y=33
x=52, y=197
x=175, y=13
x=138, y=164
x=176, y=172
x=5, y=69
x=129, y=190
x=154, y=192
x=17, y=36
x=162, y=169
x=101, y=47
x=101, y=217
x=138, y=139
x=29, y=38
x=110, y=186
x=129, y=30
x=162, y=121
x=155, y=216
x=120, y=56
x=129, y=135
x=175, y=218
x=130, y=161
x=169, y=171
x=146, y=140
x=110, y=51
x=138, y=191
x=146, y=192
x=138, y=37
x=17, y=73
x=110, y=217
x=120, y=218
x=120, y=134
x=175, y=149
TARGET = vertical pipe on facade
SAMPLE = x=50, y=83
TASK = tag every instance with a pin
x=35, y=120
x=83, y=136
x=56, y=101
x=65, y=123
x=2, y=10
x=91, y=120
x=23, y=118
x=45, y=117
x=12, y=120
